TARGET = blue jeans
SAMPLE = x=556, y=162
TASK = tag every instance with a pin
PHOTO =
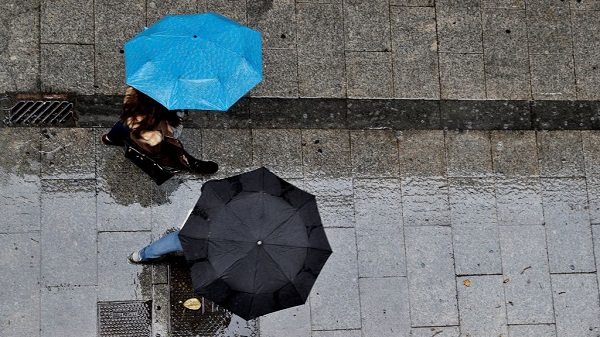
x=167, y=244
x=118, y=132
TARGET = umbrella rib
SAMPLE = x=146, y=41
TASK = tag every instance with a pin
x=286, y=220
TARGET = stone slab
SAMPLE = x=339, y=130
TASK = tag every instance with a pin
x=422, y=153
x=415, y=3
x=542, y=22
x=116, y=22
x=280, y=74
x=431, y=276
x=462, y=76
x=123, y=202
x=66, y=68
x=109, y=78
x=467, y=194
x=514, y=153
x=541, y=330
x=596, y=236
x=278, y=150
x=366, y=25
x=591, y=152
x=235, y=9
x=485, y=115
x=369, y=74
x=435, y=332
x=593, y=191
x=326, y=153
x=335, y=200
x=519, y=201
x=337, y=333
x=384, y=306
x=576, y=304
x=481, y=305
x=512, y=4
x=160, y=314
x=560, y=154
x=155, y=10
x=276, y=20
x=565, y=115
x=68, y=153
x=292, y=322
x=374, y=153
x=477, y=251
x=459, y=29
x=525, y=265
x=80, y=15
x=378, y=224
x=303, y=113
x=395, y=114
x=171, y=204
x=552, y=77
x=468, y=153
x=234, y=156
x=334, y=299
x=68, y=311
x=425, y=201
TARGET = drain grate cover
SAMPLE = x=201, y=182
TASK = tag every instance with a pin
x=40, y=112
x=125, y=319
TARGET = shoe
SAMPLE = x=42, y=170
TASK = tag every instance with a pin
x=135, y=257
x=107, y=141
x=204, y=167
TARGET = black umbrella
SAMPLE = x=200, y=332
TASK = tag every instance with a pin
x=255, y=243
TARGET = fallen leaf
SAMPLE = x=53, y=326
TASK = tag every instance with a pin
x=467, y=283
x=192, y=304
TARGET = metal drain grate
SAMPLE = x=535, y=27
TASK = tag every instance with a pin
x=40, y=112
x=125, y=319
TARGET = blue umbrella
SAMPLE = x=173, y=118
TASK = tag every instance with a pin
x=196, y=61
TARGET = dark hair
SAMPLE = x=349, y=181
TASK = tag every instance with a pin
x=140, y=104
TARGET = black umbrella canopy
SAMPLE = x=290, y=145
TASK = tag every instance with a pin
x=255, y=243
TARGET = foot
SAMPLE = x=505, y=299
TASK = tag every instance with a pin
x=204, y=167
x=135, y=257
x=107, y=141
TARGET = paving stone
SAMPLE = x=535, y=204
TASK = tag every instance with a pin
x=337, y=333
x=68, y=153
x=462, y=76
x=374, y=153
x=512, y=4
x=525, y=266
x=568, y=230
x=393, y=114
x=422, y=153
x=278, y=150
x=379, y=236
x=109, y=73
x=384, y=306
x=234, y=155
x=326, y=153
x=66, y=68
x=69, y=232
x=414, y=43
x=596, y=236
x=560, y=154
x=519, y=201
x=160, y=314
x=459, y=29
x=435, y=332
x=62, y=304
x=565, y=115
x=542, y=330
x=292, y=322
x=477, y=251
x=123, y=202
x=549, y=27
x=171, y=203
x=468, y=194
x=117, y=22
x=552, y=77
x=415, y=3
x=366, y=25
x=317, y=78
x=304, y=113
x=335, y=200
x=591, y=152
x=593, y=192
x=485, y=115
x=19, y=302
x=234, y=9
x=280, y=74
x=425, y=201
x=586, y=44
x=155, y=10
x=584, y=5
x=576, y=304
x=334, y=299
x=276, y=20
x=431, y=276
x=369, y=74
x=469, y=154
x=80, y=15
x=514, y=153
x=481, y=305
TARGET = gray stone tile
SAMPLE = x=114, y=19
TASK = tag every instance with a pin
x=80, y=26
x=469, y=154
x=19, y=302
x=366, y=25
x=160, y=314
x=596, y=236
x=568, y=231
x=69, y=232
x=591, y=152
x=560, y=154
x=321, y=75
x=584, y=5
x=588, y=75
x=542, y=330
x=593, y=192
x=425, y=201
x=462, y=76
x=485, y=115
x=337, y=333
x=335, y=200
x=468, y=194
x=276, y=20
x=378, y=217
x=576, y=305
x=110, y=159
x=413, y=3
x=527, y=275
x=482, y=307
x=422, y=153
x=514, y=153
x=549, y=27
x=233, y=9
x=68, y=153
x=231, y=149
x=280, y=74
x=552, y=77
x=435, y=332
x=586, y=44
x=109, y=73
x=384, y=306
x=278, y=150
x=172, y=202
x=334, y=299
x=116, y=22
x=123, y=202
x=369, y=74
x=431, y=276
x=374, y=153
x=68, y=311
x=326, y=153
x=512, y=4
x=119, y=280
x=414, y=44
x=66, y=68
x=155, y=10
x=459, y=29
x=519, y=201
x=477, y=251
x=292, y=322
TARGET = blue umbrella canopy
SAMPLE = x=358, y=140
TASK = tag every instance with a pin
x=195, y=61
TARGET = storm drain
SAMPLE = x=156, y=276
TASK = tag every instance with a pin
x=40, y=112
x=125, y=319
